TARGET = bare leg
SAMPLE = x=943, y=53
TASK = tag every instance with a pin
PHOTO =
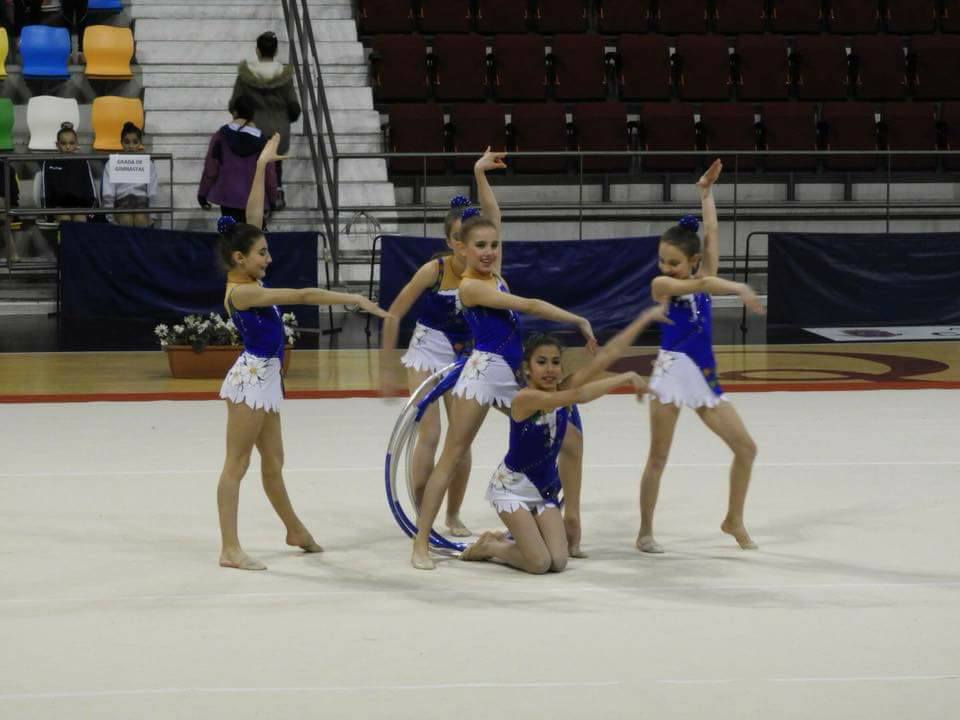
x=528, y=551
x=123, y=219
x=726, y=423
x=141, y=220
x=663, y=421
x=458, y=488
x=428, y=438
x=570, y=465
x=465, y=420
x=243, y=427
x=270, y=446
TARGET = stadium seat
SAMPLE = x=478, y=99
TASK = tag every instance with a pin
x=850, y=17
x=795, y=16
x=789, y=126
x=6, y=124
x=937, y=61
x=4, y=51
x=763, y=67
x=730, y=126
x=460, y=67
x=399, y=65
x=109, y=51
x=105, y=5
x=850, y=126
x=907, y=17
x=416, y=127
x=741, y=16
x=624, y=16
x=475, y=127
x=704, y=65
x=602, y=126
x=644, y=67
x=45, y=115
x=951, y=16
x=385, y=16
x=562, y=16
x=503, y=16
x=108, y=115
x=823, y=67
x=881, y=67
x=911, y=126
x=579, y=67
x=682, y=16
x=950, y=133
x=539, y=126
x=521, y=70
x=668, y=127
x=45, y=51
x=445, y=16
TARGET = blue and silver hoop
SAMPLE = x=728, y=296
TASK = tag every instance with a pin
x=399, y=459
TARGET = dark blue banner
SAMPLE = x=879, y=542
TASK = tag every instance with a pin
x=846, y=279
x=113, y=271
x=606, y=281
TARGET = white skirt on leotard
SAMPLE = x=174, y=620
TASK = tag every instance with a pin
x=510, y=491
x=488, y=379
x=429, y=351
x=677, y=380
x=254, y=381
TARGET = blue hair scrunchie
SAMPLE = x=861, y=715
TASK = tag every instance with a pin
x=689, y=222
x=225, y=223
x=459, y=201
x=469, y=213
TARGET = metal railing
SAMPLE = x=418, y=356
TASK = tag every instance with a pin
x=7, y=160
x=666, y=209
x=317, y=123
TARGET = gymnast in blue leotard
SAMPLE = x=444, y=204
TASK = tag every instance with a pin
x=489, y=377
x=525, y=489
x=685, y=373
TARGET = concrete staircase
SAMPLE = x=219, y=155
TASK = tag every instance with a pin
x=188, y=75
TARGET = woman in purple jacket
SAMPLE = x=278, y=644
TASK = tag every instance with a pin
x=231, y=163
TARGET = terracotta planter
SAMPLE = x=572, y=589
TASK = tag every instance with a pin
x=212, y=362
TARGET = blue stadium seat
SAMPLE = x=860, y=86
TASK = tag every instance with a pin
x=45, y=51
x=105, y=5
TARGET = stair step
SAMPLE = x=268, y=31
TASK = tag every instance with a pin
x=299, y=194
x=238, y=11
x=188, y=29
x=220, y=52
x=294, y=171
x=217, y=98
x=165, y=122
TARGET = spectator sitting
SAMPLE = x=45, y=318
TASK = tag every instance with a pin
x=66, y=183
x=269, y=84
x=130, y=196
x=232, y=162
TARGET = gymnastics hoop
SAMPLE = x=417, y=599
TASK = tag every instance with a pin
x=400, y=452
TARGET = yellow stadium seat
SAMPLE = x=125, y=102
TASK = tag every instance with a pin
x=4, y=49
x=109, y=51
x=108, y=115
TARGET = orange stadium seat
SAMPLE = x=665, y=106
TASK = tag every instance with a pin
x=108, y=116
x=109, y=51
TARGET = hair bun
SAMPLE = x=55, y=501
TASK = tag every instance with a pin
x=459, y=202
x=469, y=213
x=689, y=222
x=225, y=223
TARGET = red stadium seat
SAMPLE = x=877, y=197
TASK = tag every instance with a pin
x=911, y=126
x=951, y=16
x=602, y=126
x=543, y=127
x=460, y=67
x=475, y=127
x=795, y=16
x=881, y=67
x=624, y=16
x=561, y=16
x=644, y=67
x=399, y=64
x=790, y=126
x=823, y=67
x=850, y=126
x=503, y=16
x=730, y=126
x=668, y=126
x=741, y=16
x=579, y=67
x=385, y=16
x=763, y=67
x=854, y=16
x=704, y=62
x=682, y=16
x=417, y=127
x=907, y=17
x=445, y=16
x=950, y=128
x=937, y=61
x=521, y=70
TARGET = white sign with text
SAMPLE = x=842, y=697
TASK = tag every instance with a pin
x=129, y=169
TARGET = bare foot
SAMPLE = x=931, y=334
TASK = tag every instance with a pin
x=740, y=534
x=480, y=550
x=239, y=560
x=646, y=543
x=304, y=541
x=572, y=526
x=421, y=560
x=574, y=551
x=456, y=527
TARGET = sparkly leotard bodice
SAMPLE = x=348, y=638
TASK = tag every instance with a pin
x=439, y=309
x=534, y=446
x=494, y=330
x=691, y=332
x=260, y=328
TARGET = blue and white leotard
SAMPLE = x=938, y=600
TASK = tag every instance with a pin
x=528, y=478
x=255, y=377
x=441, y=334
x=491, y=373
x=685, y=372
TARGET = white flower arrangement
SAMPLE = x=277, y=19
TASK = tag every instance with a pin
x=199, y=332
x=476, y=365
